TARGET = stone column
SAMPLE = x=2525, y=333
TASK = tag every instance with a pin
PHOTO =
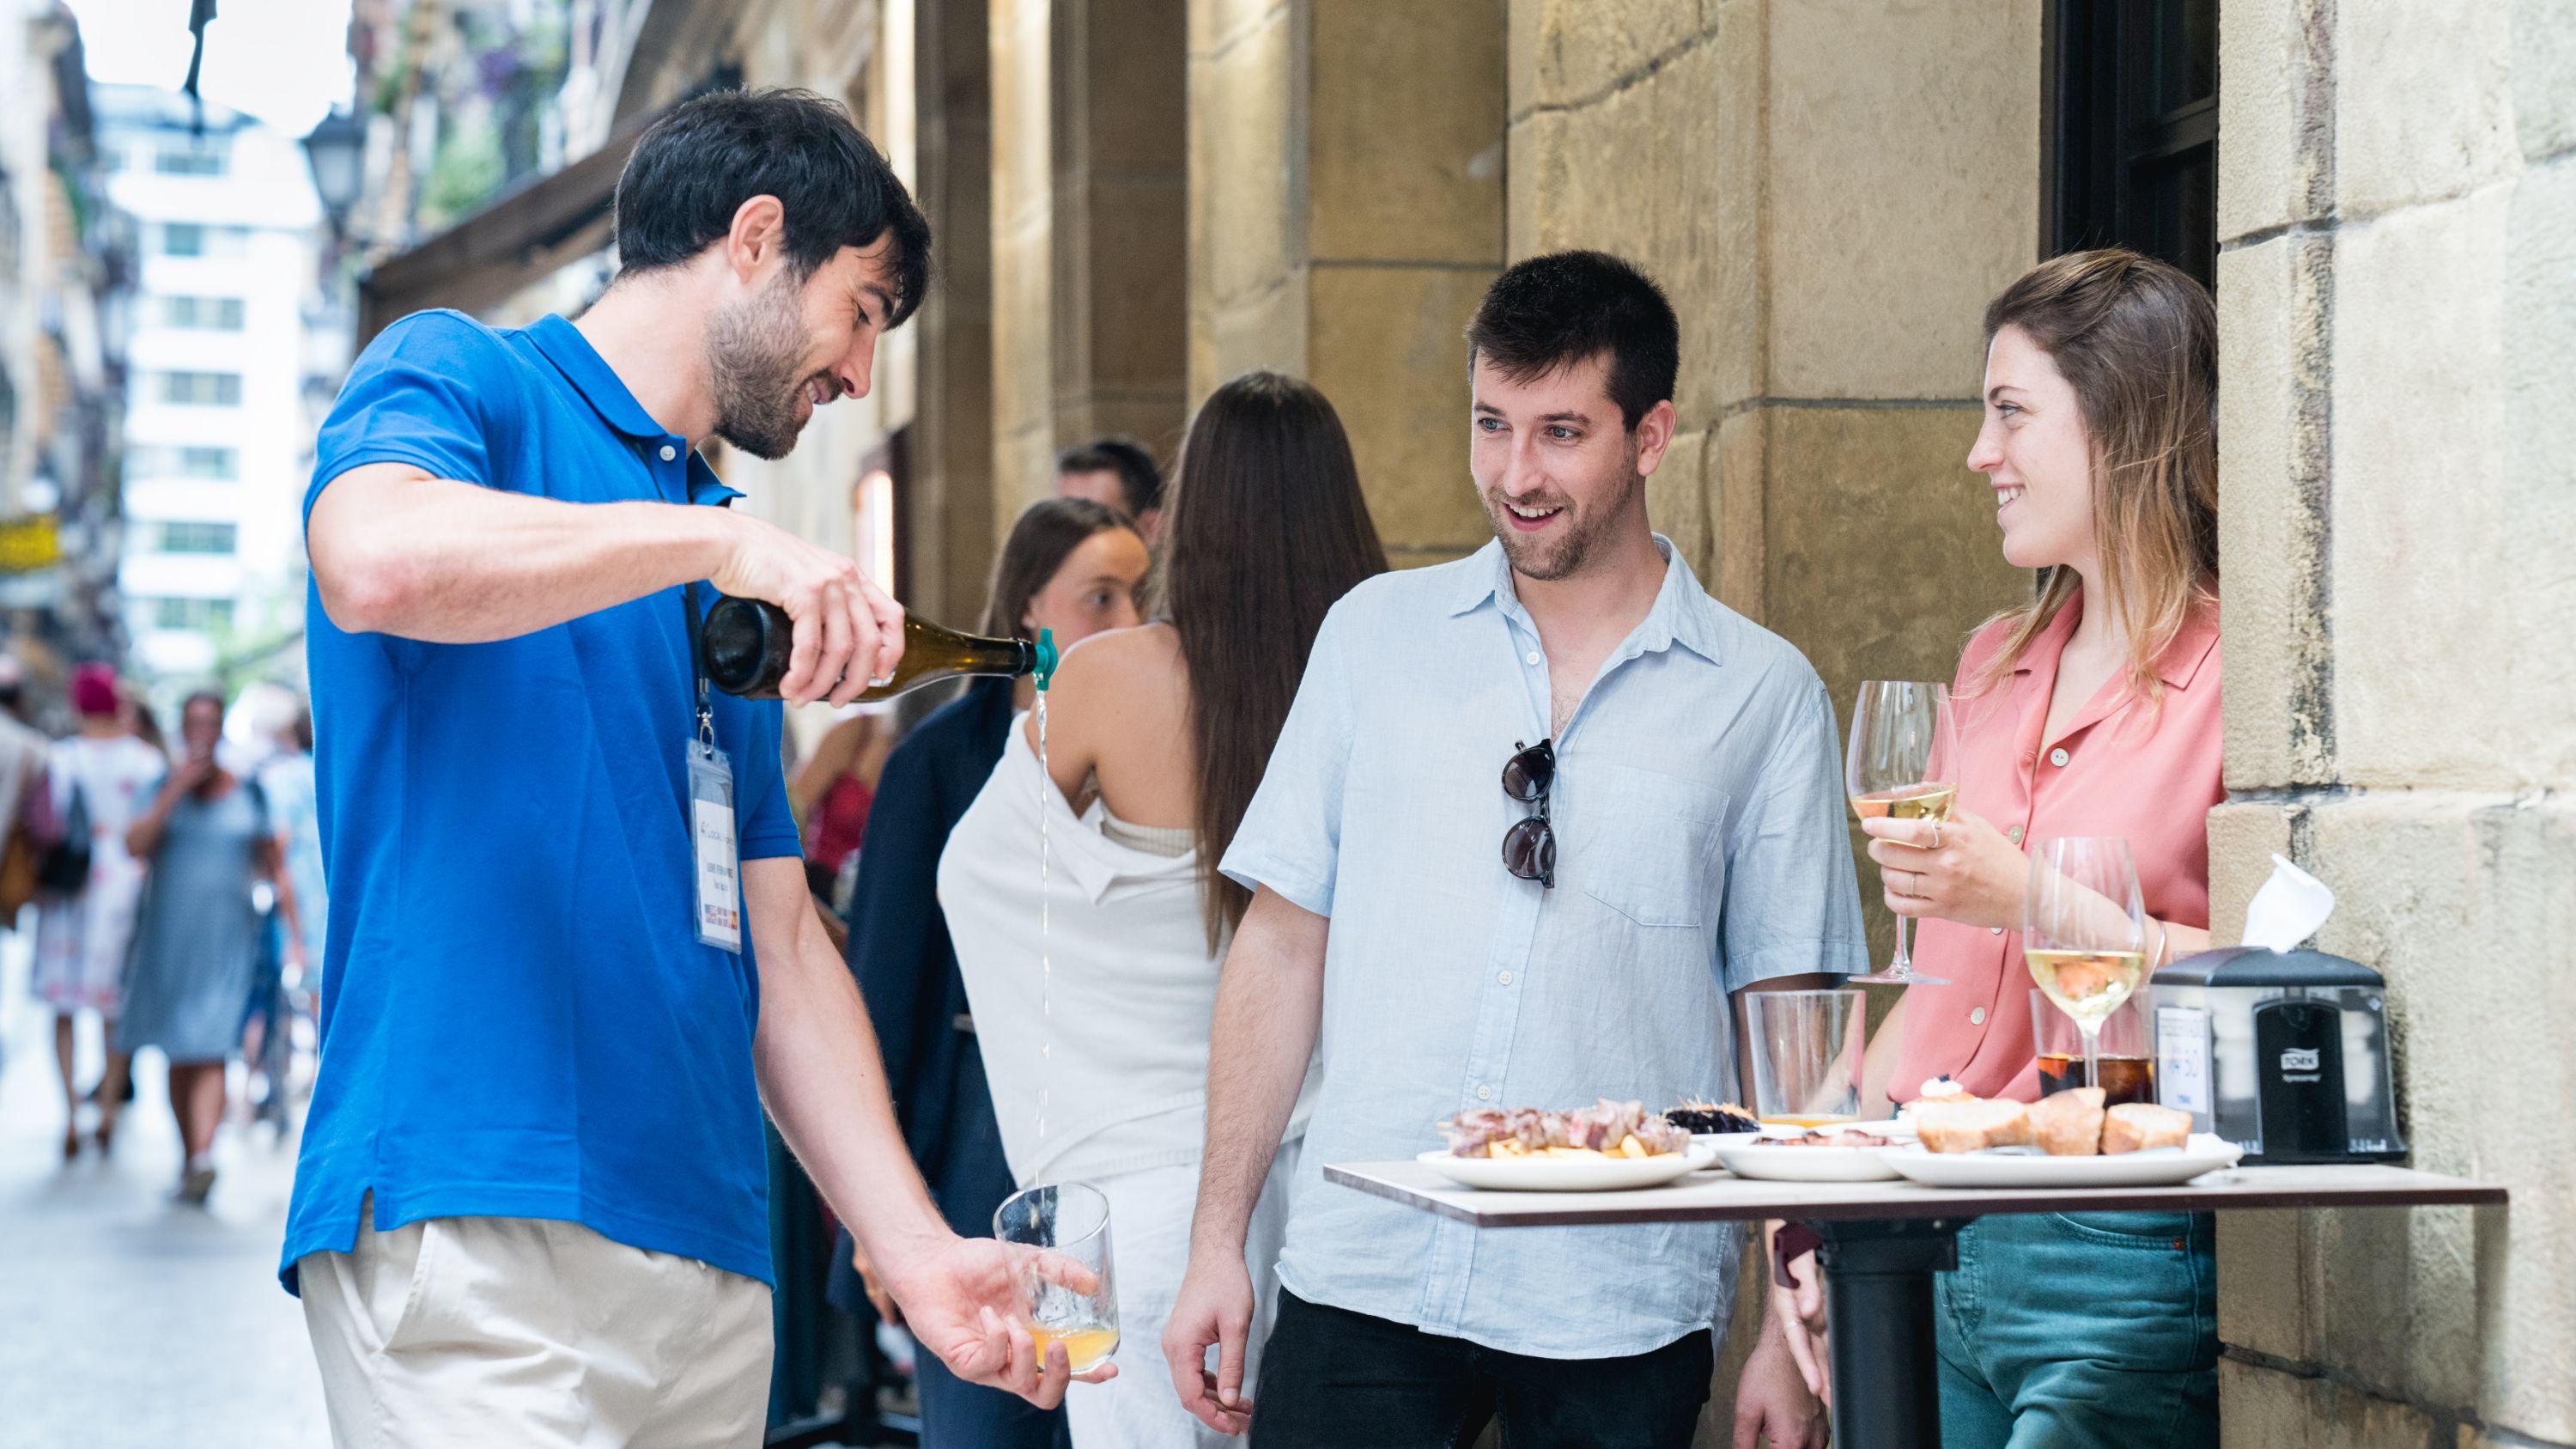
x=1346, y=215
x=2397, y=313
x=1830, y=191
x=950, y=540
x=1089, y=237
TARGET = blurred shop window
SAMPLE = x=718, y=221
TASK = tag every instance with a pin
x=197, y=537
x=872, y=532
x=187, y=613
x=2129, y=137
x=195, y=239
x=203, y=314
x=201, y=464
x=202, y=389
x=188, y=162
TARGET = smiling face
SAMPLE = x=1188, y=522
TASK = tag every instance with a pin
x=1559, y=472
x=2036, y=451
x=1093, y=590
x=785, y=348
x=201, y=726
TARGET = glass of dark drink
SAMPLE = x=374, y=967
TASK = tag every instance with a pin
x=2128, y=1050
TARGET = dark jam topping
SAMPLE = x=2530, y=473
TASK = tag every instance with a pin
x=1703, y=1118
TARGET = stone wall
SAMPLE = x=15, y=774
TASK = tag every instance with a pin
x=1089, y=305
x=2397, y=297
x=1830, y=191
x=1346, y=214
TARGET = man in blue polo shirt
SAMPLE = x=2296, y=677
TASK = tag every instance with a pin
x=531, y=1205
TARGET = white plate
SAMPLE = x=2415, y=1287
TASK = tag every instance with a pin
x=1564, y=1174
x=2160, y=1167
x=1742, y=1155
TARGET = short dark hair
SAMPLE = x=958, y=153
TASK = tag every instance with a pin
x=1045, y=535
x=1558, y=310
x=695, y=167
x=1139, y=481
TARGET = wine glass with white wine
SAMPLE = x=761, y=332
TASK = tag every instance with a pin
x=2084, y=931
x=1903, y=764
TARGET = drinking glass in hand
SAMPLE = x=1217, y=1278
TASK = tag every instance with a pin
x=1070, y=1220
x=2084, y=931
x=1903, y=764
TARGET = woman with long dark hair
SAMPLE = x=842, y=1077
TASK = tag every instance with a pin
x=1074, y=568
x=1095, y=1024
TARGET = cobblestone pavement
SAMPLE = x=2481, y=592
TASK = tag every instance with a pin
x=126, y=1320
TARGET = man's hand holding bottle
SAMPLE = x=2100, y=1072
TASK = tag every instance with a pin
x=848, y=631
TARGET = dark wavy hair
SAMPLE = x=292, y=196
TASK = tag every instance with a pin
x=1045, y=535
x=1266, y=530
x=1564, y=308
x=695, y=167
x=1139, y=481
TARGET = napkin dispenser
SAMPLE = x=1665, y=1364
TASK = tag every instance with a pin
x=2284, y=1053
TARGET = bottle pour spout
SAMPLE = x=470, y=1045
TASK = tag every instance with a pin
x=1047, y=658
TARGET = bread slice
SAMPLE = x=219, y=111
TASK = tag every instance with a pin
x=1972, y=1125
x=2137, y=1126
x=2069, y=1123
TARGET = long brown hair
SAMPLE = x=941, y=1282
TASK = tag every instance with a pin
x=1045, y=535
x=2138, y=342
x=1266, y=528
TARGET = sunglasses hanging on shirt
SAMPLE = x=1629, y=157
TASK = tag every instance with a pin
x=1529, y=847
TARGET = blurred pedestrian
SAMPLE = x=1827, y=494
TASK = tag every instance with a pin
x=98, y=780
x=1118, y=473
x=208, y=838
x=287, y=782
x=1099, y=1065
x=1072, y=567
x=832, y=790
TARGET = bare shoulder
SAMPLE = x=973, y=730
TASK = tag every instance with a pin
x=1120, y=670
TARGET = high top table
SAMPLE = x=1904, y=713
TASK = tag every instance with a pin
x=1885, y=1240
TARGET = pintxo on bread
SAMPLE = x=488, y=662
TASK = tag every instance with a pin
x=2071, y=1123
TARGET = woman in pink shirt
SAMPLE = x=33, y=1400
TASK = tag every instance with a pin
x=2091, y=710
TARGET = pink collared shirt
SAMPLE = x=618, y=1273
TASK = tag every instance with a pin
x=2122, y=766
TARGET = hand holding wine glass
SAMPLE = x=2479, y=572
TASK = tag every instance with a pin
x=1902, y=764
x=2085, y=934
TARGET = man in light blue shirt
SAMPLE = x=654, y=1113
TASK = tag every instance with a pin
x=1575, y=931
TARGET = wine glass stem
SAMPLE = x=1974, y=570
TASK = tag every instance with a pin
x=1904, y=962
x=2092, y=1052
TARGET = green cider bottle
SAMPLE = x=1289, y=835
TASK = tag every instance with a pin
x=745, y=645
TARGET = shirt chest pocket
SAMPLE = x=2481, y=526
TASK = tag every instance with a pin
x=1644, y=845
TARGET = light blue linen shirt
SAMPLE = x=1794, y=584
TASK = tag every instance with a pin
x=1700, y=849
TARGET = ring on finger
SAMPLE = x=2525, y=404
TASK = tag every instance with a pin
x=1918, y=885
x=1936, y=835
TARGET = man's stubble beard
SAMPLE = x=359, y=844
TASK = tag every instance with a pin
x=1584, y=536
x=756, y=369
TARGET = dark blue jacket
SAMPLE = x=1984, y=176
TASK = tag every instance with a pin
x=907, y=968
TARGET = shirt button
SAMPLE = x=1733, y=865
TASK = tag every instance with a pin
x=1484, y=1094
x=1994, y=930
x=2015, y=833
x=669, y=452
x=2057, y=756
x=1531, y=658
x=1977, y=1017
x=1507, y=978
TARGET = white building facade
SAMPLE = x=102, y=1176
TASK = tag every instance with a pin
x=218, y=423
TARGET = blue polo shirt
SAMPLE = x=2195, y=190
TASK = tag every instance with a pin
x=517, y=1017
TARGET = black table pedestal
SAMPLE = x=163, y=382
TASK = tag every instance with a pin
x=1878, y=1291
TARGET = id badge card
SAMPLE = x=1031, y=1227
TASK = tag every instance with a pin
x=719, y=861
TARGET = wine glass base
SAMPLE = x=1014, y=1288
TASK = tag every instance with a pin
x=1897, y=976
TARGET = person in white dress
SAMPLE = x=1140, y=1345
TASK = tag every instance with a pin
x=82, y=936
x=1094, y=1029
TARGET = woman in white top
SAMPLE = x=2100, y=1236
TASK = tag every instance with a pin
x=1093, y=994
x=81, y=937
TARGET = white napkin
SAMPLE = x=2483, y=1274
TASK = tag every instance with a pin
x=2289, y=908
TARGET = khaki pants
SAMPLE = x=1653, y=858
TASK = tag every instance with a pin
x=525, y=1332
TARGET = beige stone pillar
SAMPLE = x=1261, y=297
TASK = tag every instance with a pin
x=950, y=538
x=2397, y=299
x=1346, y=214
x=1830, y=191
x=1089, y=237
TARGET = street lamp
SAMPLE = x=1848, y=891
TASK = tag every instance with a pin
x=337, y=151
